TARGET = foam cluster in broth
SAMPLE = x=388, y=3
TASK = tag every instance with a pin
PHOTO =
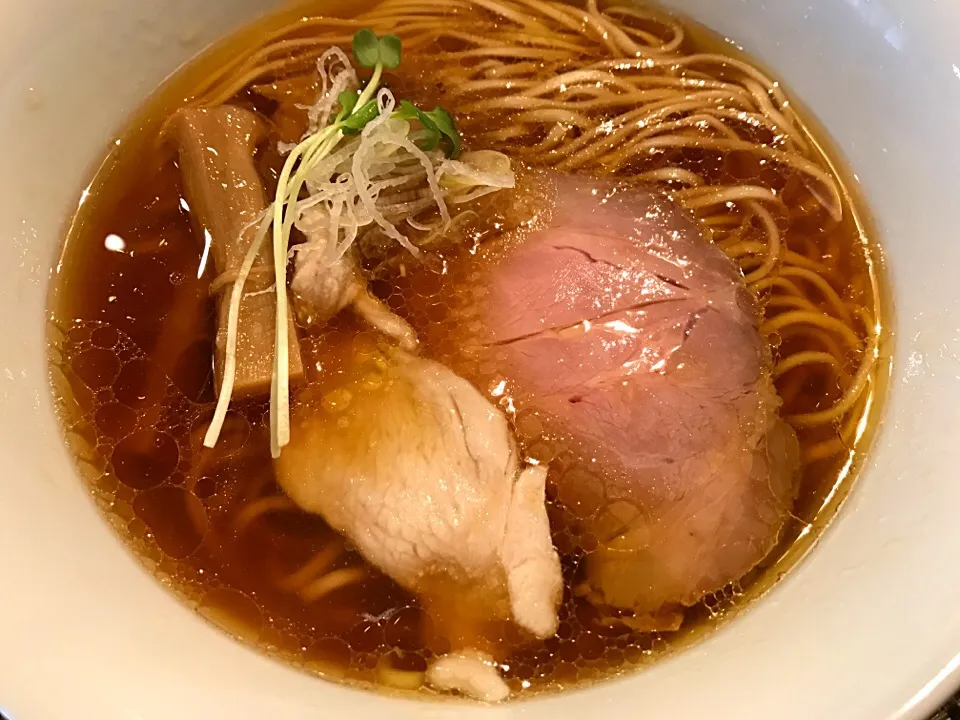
x=133, y=323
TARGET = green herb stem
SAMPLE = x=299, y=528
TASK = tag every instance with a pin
x=371, y=88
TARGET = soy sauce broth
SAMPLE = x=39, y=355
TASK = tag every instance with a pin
x=131, y=341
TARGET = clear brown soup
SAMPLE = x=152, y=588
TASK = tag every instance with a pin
x=131, y=340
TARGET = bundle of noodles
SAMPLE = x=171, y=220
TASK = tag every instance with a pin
x=614, y=90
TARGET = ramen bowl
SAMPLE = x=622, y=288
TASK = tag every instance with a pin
x=866, y=627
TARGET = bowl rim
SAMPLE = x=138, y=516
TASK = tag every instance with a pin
x=900, y=648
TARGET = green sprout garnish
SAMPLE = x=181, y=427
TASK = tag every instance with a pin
x=348, y=101
x=359, y=117
x=448, y=128
x=370, y=50
x=437, y=125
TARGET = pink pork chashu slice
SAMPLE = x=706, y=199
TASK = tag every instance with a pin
x=421, y=472
x=630, y=333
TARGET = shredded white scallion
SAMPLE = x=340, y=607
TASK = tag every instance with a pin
x=332, y=84
x=233, y=321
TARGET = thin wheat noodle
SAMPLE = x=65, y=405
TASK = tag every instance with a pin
x=755, y=121
x=600, y=134
x=554, y=14
x=309, y=23
x=554, y=137
x=775, y=245
x=815, y=266
x=587, y=98
x=780, y=302
x=816, y=336
x=844, y=442
x=480, y=86
x=831, y=296
x=699, y=121
x=680, y=83
x=499, y=39
x=600, y=139
x=743, y=247
x=563, y=116
x=821, y=320
x=591, y=23
x=738, y=248
x=729, y=223
x=332, y=582
x=781, y=283
x=258, y=508
x=286, y=47
x=649, y=40
x=802, y=359
x=506, y=133
x=251, y=78
x=267, y=43
x=506, y=51
x=860, y=383
x=792, y=160
x=621, y=40
x=671, y=174
x=390, y=9
x=705, y=196
x=761, y=97
x=526, y=21
x=523, y=103
x=675, y=28
x=319, y=563
x=576, y=77
x=498, y=69
x=825, y=450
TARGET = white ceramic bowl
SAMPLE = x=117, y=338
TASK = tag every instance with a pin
x=867, y=628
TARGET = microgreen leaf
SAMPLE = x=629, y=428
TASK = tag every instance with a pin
x=437, y=124
x=366, y=48
x=407, y=111
x=360, y=117
x=429, y=138
x=430, y=134
x=348, y=101
x=390, y=51
x=370, y=50
x=448, y=128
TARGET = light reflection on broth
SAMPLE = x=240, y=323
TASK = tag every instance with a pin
x=642, y=99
